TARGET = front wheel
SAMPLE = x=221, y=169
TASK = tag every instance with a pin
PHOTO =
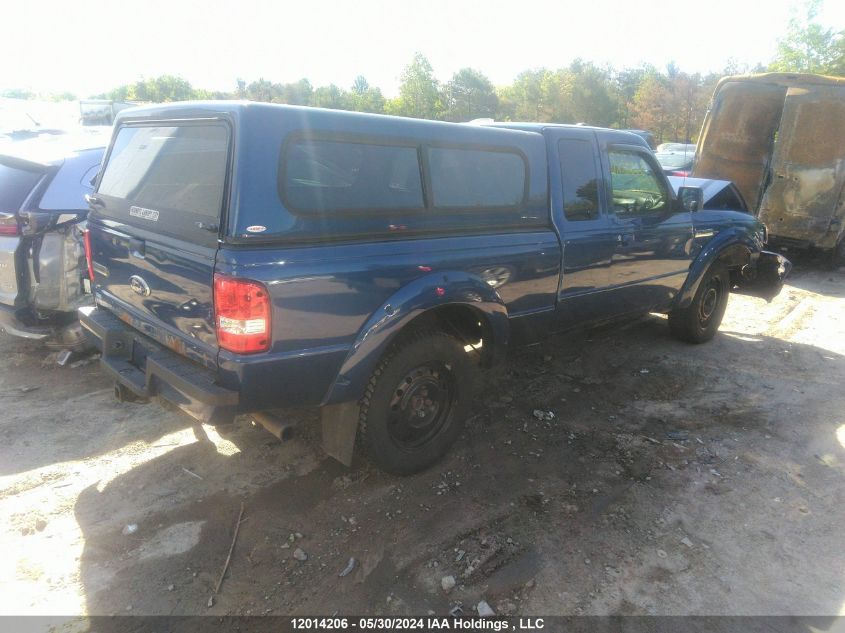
x=699, y=322
x=416, y=402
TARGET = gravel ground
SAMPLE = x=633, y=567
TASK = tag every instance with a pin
x=672, y=479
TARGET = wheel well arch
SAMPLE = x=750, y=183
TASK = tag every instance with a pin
x=465, y=322
x=732, y=247
x=734, y=255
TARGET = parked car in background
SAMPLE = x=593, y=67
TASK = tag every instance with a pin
x=679, y=148
x=247, y=257
x=24, y=119
x=781, y=138
x=101, y=111
x=43, y=183
x=675, y=163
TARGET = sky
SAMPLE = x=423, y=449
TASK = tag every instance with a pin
x=90, y=46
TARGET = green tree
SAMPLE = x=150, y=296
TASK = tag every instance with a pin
x=419, y=95
x=18, y=93
x=650, y=107
x=365, y=98
x=585, y=95
x=330, y=96
x=297, y=93
x=469, y=95
x=625, y=84
x=261, y=90
x=808, y=47
x=529, y=98
x=157, y=90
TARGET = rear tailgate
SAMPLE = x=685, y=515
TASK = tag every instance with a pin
x=18, y=180
x=154, y=230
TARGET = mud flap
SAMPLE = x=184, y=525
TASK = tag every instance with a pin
x=764, y=277
x=339, y=424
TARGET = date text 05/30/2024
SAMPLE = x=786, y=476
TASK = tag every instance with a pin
x=417, y=624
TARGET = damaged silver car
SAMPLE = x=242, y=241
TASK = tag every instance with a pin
x=43, y=274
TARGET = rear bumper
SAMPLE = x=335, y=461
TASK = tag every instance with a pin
x=146, y=369
x=12, y=325
x=764, y=276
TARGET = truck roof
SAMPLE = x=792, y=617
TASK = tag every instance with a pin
x=364, y=121
x=620, y=136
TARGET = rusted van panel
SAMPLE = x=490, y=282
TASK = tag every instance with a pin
x=781, y=138
x=738, y=134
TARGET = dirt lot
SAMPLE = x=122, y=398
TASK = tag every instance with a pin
x=673, y=479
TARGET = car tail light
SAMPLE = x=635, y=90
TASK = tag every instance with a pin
x=242, y=314
x=9, y=224
x=89, y=254
x=679, y=173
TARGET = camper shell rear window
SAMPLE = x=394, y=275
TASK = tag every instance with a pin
x=168, y=178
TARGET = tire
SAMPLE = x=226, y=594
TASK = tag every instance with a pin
x=416, y=402
x=699, y=322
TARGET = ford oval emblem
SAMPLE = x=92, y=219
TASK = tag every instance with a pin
x=139, y=286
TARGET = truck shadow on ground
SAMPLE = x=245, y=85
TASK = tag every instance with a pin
x=652, y=444
x=40, y=398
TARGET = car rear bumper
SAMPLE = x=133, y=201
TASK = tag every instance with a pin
x=9, y=246
x=63, y=336
x=145, y=369
x=764, y=276
x=12, y=325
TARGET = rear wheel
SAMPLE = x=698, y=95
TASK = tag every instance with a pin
x=700, y=321
x=416, y=402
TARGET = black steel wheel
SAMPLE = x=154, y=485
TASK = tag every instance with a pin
x=700, y=321
x=421, y=403
x=416, y=402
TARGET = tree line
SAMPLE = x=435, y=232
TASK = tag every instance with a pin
x=668, y=102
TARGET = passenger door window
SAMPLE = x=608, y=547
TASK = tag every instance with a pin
x=636, y=189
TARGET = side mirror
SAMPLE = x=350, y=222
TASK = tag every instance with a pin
x=691, y=199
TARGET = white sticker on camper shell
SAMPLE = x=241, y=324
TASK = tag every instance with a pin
x=144, y=214
x=256, y=228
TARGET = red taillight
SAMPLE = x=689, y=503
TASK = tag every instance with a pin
x=680, y=173
x=9, y=224
x=242, y=314
x=89, y=254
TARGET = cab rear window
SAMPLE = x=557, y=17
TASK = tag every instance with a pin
x=471, y=178
x=168, y=178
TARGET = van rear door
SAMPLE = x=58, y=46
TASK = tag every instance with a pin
x=804, y=200
x=738, y=134
x=154, y=228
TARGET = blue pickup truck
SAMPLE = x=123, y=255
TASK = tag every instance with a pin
x=247, y=257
